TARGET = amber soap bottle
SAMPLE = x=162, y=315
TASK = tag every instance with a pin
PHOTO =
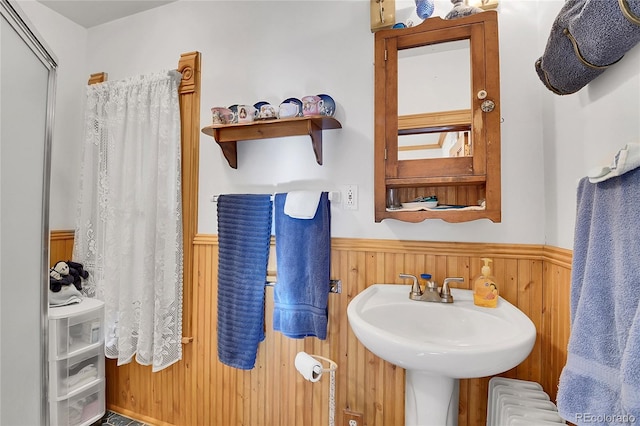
x=485, y=289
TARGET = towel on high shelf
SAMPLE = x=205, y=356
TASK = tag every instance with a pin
x=303, y=260
x=586, y=37
x=602, y=373
x=244, y=235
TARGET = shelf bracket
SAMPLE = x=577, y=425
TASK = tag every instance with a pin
x=315, y=132
x=229, y=149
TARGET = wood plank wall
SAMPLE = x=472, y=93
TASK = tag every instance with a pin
x=199, y=390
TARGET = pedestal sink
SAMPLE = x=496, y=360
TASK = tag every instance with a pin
x=438, y=344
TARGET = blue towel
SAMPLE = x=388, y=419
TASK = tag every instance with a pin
x=602, y=34
x=303, y=260
x=244, y=234
x=602, y=373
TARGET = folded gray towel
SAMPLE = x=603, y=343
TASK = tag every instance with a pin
x=586, y=37
x=67, y=295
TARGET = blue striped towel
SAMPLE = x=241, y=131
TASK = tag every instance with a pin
x=244, y=234
x=602, y=376
x=303, y=256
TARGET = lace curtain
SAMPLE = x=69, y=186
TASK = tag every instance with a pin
x=129, y=224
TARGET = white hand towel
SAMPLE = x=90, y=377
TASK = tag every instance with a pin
x=628, y=158
x=302, y=204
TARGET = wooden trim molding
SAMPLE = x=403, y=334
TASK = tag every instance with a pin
x=189, y=66
x=511, y=251
x=558, y=256
x=62, y=235
x=99, y=77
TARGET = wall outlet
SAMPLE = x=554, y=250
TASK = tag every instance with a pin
x=352, y=418
x=350, y=197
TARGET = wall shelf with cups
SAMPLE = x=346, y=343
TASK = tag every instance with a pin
x=227, y=135
x=293, y=117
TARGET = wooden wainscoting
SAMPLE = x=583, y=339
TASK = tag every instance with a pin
x=199, y=390
x=60, y=246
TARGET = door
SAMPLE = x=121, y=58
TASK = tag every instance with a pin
x=27, y=79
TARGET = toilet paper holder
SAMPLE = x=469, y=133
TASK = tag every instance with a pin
x=311, y=369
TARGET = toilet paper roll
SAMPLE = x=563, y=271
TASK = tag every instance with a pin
x=308, y=366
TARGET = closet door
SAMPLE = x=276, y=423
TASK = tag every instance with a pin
x=27, y=77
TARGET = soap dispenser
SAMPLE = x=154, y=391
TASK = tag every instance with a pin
x=485, y=290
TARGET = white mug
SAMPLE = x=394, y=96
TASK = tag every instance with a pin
x=288, y=110
x=246, y=113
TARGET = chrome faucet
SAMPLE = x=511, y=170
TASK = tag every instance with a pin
x=431, y=293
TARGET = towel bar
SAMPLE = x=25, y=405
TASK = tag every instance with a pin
x=334, y=197
x=335, y=286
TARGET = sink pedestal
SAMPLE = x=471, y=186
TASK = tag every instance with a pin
x=430, y=399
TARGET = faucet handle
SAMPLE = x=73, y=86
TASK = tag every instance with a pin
x=416, y=291
x=445, y=293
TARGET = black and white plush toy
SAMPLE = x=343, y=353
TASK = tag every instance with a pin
x=65, y=273
x=59, y=276
x=76, y=270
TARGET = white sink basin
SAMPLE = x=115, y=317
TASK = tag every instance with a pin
x=439, y=343
x=456, y=339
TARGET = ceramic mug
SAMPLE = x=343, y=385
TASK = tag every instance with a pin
x=268, y=111
x=288, y=110
x=221, y=115
x=311, y=105
x=246, y=113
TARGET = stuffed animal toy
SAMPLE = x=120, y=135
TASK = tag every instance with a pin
x=79, y=268
x=65, y=273
x=76, y=270
x=59, y=276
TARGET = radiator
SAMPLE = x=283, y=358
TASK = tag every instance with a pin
x=513, y=402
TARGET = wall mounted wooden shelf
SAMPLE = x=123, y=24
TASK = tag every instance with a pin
x=228, y=135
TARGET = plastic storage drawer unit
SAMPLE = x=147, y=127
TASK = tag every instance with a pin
x=75, y=328
x=76, y=363
x=76, y=372
x=81, y=409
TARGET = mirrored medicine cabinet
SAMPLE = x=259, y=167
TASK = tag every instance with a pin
x=437, y=119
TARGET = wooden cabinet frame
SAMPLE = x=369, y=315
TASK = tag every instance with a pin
x=459, y=180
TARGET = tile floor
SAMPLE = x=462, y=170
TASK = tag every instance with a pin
x=115, y=419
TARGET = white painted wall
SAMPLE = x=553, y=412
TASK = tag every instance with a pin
x=69, y=42
x=584, y=130
x=271, y=50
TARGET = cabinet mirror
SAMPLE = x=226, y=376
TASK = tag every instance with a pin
x=437, y=119
x=433, y=81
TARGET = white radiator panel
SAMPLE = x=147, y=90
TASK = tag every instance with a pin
x=513, y=402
